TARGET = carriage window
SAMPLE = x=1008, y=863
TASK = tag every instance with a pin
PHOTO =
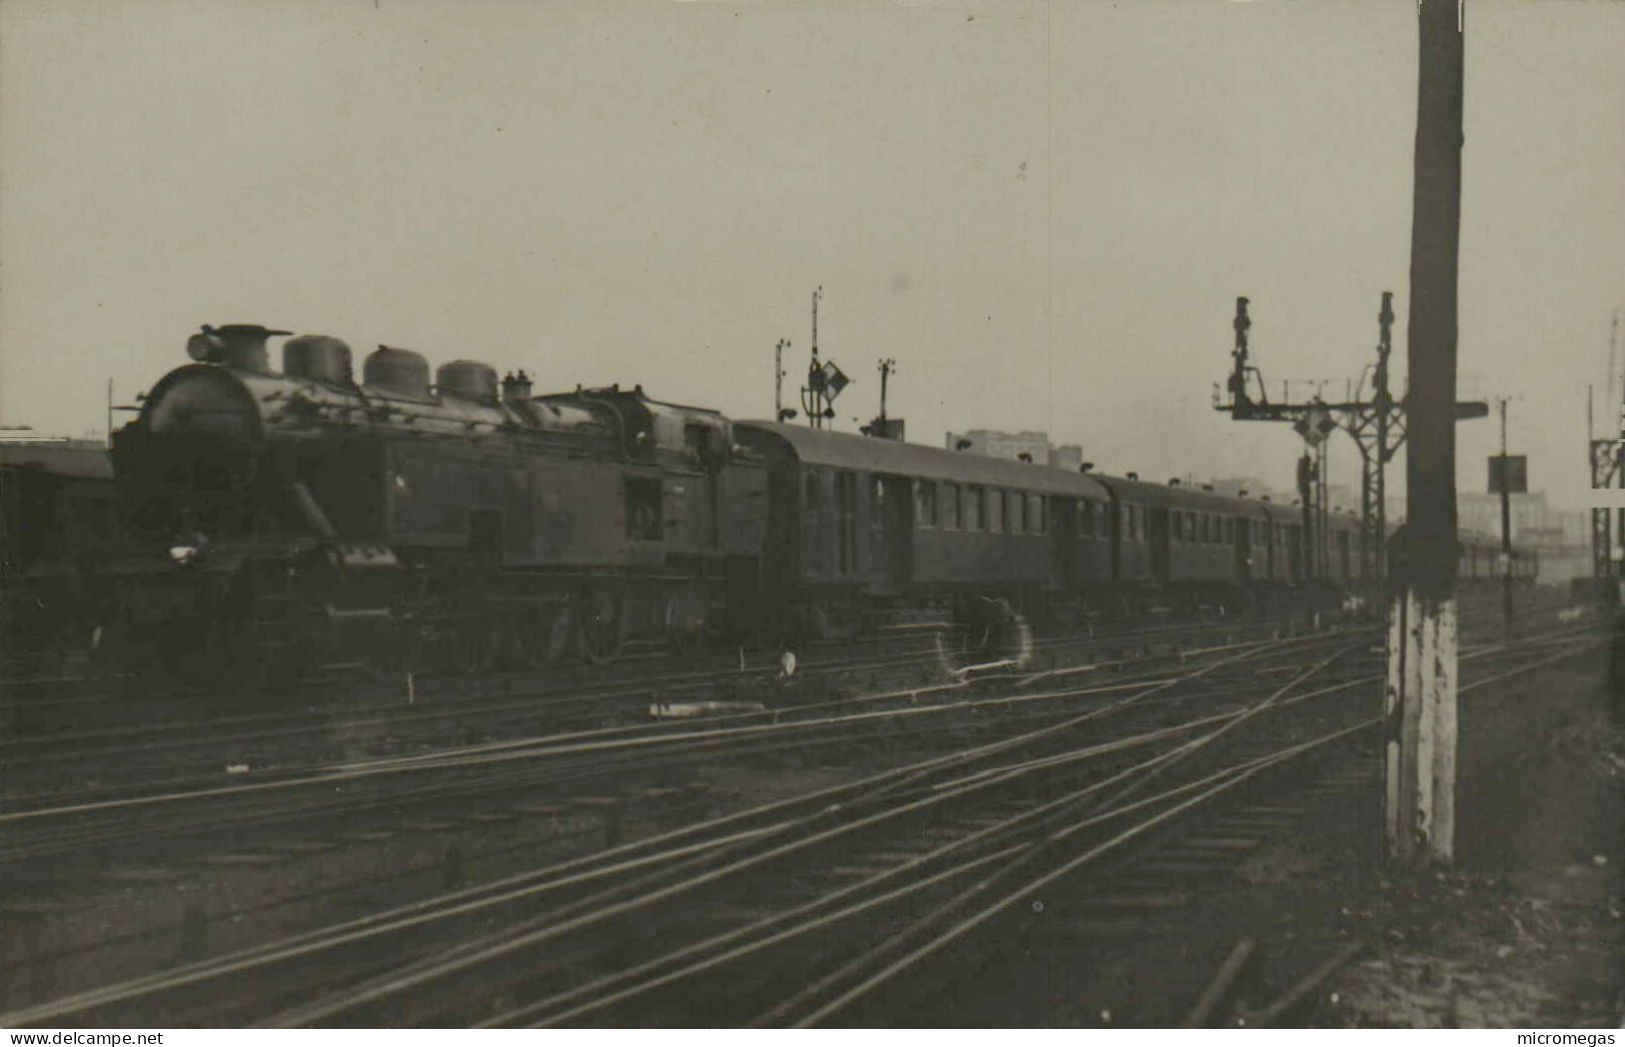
x=643, y=510
x=925, y=503
x=950, y=506
x=1035, y=514
x=995, y=511
x=809, y=499
x=1012, y=512
x=972, y=513
x=1086, y=518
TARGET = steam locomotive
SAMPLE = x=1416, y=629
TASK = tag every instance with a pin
x=285, y=518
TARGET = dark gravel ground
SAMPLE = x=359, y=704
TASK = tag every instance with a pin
x=1527, y=931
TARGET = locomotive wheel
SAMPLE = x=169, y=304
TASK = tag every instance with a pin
x=541, y=638
x=685, y=622
x=601, y=627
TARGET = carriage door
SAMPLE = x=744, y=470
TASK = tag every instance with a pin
x=1159, y=544
x=1063, y=537
x=1116, y=524
x=891, y=531
x=1243, y=529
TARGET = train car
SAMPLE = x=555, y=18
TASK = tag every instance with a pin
x=1183, y=544
x=1283, y=544
x=859, y=525
x=58, y=518
x=303, y=515
x=1343, y=561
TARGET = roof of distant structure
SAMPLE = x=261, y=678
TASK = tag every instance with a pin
x=84, y=459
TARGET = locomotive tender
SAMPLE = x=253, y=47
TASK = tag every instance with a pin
x=301, y=515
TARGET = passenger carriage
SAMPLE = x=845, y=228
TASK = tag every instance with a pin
x=857, y=524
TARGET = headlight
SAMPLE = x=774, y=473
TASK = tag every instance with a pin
x=181, y=555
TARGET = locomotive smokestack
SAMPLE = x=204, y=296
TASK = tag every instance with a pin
x=516, y=386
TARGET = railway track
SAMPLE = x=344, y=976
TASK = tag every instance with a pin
x=261, y=828
x=197, y=750
x=632, y=881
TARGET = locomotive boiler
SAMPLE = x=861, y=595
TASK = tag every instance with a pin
x=302, y=516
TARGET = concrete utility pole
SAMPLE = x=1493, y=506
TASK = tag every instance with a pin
x=1607, y=459
x=1420, y=697
x=1506, y=529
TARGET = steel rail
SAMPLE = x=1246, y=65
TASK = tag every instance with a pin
x=1012, y=895
x=517, y=888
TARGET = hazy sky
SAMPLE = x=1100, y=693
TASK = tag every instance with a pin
x=1043, y=212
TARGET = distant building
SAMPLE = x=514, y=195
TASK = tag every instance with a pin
x=69, y=457
x=1532, y=518
x=1029, y=446
x=1343, y=496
